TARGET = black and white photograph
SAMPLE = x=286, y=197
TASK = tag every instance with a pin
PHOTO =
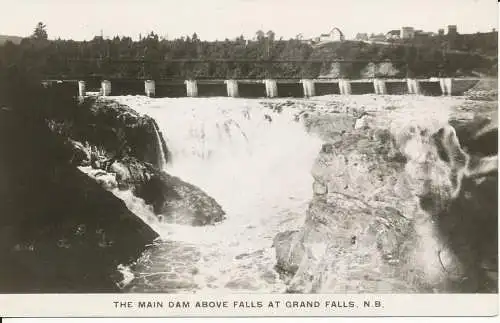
x=248, y=147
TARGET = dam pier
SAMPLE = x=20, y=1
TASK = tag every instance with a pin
x=270, y=88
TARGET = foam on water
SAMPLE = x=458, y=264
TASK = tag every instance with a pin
x=256, y=163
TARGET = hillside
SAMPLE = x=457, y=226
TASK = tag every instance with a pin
x=15, y=39
x=424, y=60
x=151, y=57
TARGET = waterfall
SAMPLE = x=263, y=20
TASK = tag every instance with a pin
x=161, y=155
x=238, y=151
x=256, y=163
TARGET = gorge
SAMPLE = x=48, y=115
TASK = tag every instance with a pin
x=331, y=194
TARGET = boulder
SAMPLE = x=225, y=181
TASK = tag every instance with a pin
x=173, y=200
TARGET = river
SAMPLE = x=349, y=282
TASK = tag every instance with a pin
x=256, y=163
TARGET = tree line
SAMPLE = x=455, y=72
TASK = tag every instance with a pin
x=151, y=57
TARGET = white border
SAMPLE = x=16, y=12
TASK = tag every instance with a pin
x=102, y=305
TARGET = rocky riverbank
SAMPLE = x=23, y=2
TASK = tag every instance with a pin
x=120, y=142
x=64, y=231
x=59, y=230
x=405, y=200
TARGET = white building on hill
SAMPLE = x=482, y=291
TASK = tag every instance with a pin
x=407, y=32
x=334, y=35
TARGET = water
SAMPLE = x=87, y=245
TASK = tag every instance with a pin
x=256, y=163
x=161, y=155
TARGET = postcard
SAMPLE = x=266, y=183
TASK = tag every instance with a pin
x=245, y=158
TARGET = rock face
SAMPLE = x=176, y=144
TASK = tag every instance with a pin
x=59, y=230
x=399, y=205
x=63, y=231
x=173, y=200
x=126, y=146
x=114, y=129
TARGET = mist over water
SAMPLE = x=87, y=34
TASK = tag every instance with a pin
x=256, y=163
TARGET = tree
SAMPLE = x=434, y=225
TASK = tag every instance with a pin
x=40, y=32
x=260, y=35
x=270, y=35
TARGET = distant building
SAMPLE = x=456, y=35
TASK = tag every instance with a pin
x=334, y=35
x=378, y=38
x=441, y=32
x=453, y=41
x=422, y=35
x=452, y=30
x=407, y=32
x=324, y=37
x=362, y=36
x=393, y=34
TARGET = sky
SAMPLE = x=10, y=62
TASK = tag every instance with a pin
x=220, y=19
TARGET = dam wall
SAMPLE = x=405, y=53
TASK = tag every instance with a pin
x=431, y=88
x=126, y=87
x=290, y=90
x=270, y=88
x=212, y=88
x=251, y=89
x=326, y=88
x=362, y=87
x=170, y=89
x=397, y=87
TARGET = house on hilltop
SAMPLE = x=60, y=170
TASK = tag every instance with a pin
x=378, y=38
x=407, y=32
x=334, y=35
x=393, y=34
x=362, y=36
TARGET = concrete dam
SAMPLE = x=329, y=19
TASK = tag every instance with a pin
x=270, y=88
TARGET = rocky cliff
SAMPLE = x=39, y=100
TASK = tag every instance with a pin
x=59, y=230
x=403, y=202
x=62, y=230
x=115, y=140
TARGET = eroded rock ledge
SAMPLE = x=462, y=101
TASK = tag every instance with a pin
x=403, y=202
x=120, y=142
x=60, y=231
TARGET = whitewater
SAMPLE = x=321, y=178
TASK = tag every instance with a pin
x=255, y=163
